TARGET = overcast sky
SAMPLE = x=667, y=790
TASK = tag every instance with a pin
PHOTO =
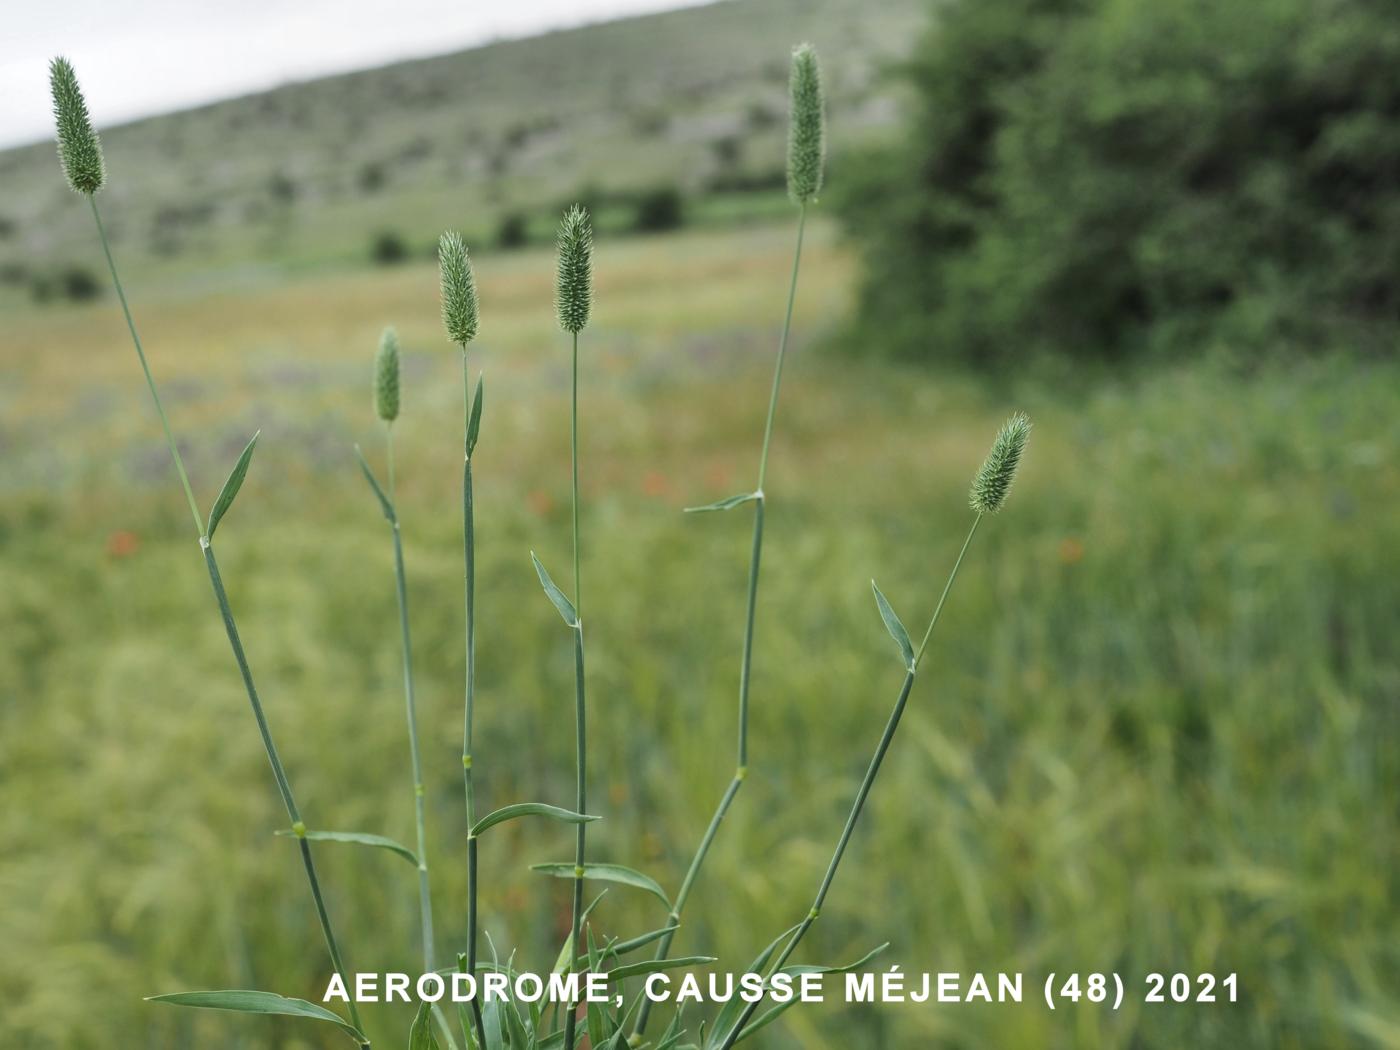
x=137, y=57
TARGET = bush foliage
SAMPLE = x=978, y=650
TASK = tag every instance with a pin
x=1111, y=177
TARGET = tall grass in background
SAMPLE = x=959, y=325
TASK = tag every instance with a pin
x=583, y=950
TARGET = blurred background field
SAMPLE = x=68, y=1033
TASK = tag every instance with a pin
x=1158, y=729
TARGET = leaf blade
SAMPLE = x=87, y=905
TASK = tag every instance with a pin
x=530, y=809
x=474, y=419
x=420, y=1036
x=362, y=838
x=232, y=484
x=384, y=504
x=619, y=973
x=607, y=873
x=895, y=627
x=725, y=504
x=847, y=968
x=246, y=1001
x=555, y=595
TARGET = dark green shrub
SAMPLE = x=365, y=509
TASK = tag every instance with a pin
x=78, y=283
x=513, y=231
x=1104, y=177
x=388, y=248
x=659, y=209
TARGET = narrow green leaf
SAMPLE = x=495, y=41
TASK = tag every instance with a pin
x=530, y=809
x=384, y=504
x=231, y=487
x=618, y=973
x=896, y=629
x=250, y=1002
x=561, y=962
x=515, y=1027
x=474, y=420
x=725, y=504
x=565, y=607
x=766, y=1018
x=600, y=1026
x=799, y=970
x=607, y=873
x=420, y=1036
x=642, y=940
x=673, y=1033
x=492, y=1022
x=363, y=838
x=728, y=1015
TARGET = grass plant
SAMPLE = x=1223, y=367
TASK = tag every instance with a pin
x=586, y=946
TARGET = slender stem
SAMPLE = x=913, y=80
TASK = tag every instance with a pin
x=580, y=719
x=573, y=416
x=469, y=552
x=782, y=350
x=278, y=772
x=150, y=381
x=746, y=661
x=235, y=642
x=478, y=1021
x=859, y=804
x=938, y=611
x=411, y=708
x=425, y=897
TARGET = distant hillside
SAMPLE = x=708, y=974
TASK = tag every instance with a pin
x=338, y=169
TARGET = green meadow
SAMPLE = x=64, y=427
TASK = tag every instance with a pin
x=1154, y=733
x=1157, y=735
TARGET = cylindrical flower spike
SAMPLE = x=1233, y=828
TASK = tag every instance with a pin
x=459, y=307
x=386, y=377
x=574, y=294
x=806, y=127
x=79, y=150
x=993, y=481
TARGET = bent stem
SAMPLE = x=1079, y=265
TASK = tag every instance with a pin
x=859, y=804
x=231, y=628
x=278, y=772
x=746, y=660
x=580, y=722
x=469, y=552
x=425, y=898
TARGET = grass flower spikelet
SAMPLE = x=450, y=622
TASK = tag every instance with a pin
x=993, y=481
x=806, y=128
x=79, y=150
x=574, y=287
x=459, y=307
x=386, y=377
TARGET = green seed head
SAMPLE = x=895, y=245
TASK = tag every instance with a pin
x=993, y=481
x=459, y=310
x=574, y=295
x=807, y=127
x=386, y=377
x=79, y=150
